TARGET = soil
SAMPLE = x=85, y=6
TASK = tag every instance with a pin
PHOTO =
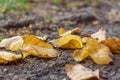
x=68, y=14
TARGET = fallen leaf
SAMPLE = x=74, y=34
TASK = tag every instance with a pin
x=92, y=45
x=79, y=72
x=113, y=43
x=9, y=56
x=100, y=53
x=13, y=43
x=80, y=54
x=62, y=31
x=38, y=47
x=100, y=35
x=68, y=42
x=102, y=56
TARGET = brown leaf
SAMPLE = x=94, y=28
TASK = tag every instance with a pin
x=113, y=43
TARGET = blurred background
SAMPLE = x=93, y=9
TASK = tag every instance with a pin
x=45, y=17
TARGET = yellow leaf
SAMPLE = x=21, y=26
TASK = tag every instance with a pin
x=62, y=31
x=68, y=42
x=88, y=48
x=102, y=56
x=80, y=54
x=38, y=47
x=100, y=53
x=7, y=56
x=100, y=35
x=79, y=72
x=13, y=43
x=113, y=43
x=92, y=45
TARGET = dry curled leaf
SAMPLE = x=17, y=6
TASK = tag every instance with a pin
x=113, y=43
x=100, y=35
x=80, y=54
x=62, y=31
x=100, y=53
x=38, y=47
x=9, y=56
x=102, y=56
x=13, y=43
x=68, y=42
x=79, y=72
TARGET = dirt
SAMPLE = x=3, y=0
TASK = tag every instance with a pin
x=67, y=14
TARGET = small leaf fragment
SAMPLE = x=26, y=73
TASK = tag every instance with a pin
x=97, y=73
x=76, y=30
x=100, y=35
x=38, y=47
x=68, y=42
x=113, y=43
x=62, y=31
x=79, y=72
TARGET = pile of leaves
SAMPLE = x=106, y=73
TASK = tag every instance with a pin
x=96, y=45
